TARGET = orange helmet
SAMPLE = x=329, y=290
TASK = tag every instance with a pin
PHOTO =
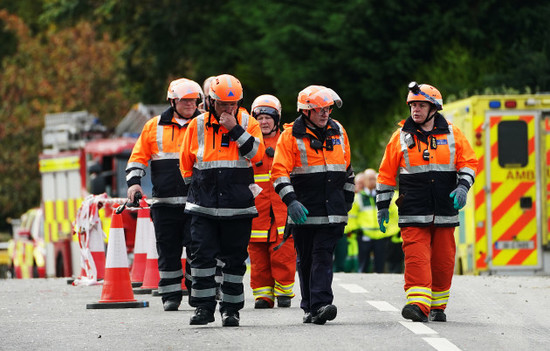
x=184, y=88
x=425, y=92
x=269, y=105
x=226, y=88
x=317, y=96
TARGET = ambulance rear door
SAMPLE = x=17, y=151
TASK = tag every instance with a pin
x=513, y=181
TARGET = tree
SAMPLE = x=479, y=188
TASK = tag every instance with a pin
x=67, y=70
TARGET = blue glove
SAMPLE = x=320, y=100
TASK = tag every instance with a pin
x=297, y=212
x=383, y=217
x=459, y=195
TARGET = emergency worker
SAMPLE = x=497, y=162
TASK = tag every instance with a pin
x=159, y=143
x=272, y=271
x=216, y=161
x=203, y=106
x=370, y=239
x=313, y=176
x=436, y=167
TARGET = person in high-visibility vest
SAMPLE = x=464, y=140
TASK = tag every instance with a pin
x=312, y=174
x=216, y=160
x=159, y=143
x=435, y=166
x=272, y=265
x=370, y=239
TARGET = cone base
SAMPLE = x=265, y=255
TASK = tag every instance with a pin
x=142, y=291
x=155, y=293
x=136, y=284
x=107, y=305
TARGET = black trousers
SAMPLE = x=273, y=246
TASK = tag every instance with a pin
x=172, y=231
x=226, y=240
x=379, y=248
x=315, y=248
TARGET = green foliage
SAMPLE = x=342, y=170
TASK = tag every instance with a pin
x=366, y=51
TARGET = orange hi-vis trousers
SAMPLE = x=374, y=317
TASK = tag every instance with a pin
x=272, y=273
x=429, y=265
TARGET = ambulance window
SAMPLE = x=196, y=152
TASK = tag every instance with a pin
x=512, y=144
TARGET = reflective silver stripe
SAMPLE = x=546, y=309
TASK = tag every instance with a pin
x=286, y=190
x=165, y=156
x=452, y=146
x=219, y=263
x=416, y=219
x=349, y=187
x=136, y=165
x=404, y=148
x=440, y=294
x=255, y=148
x=232, y=278
x=135, y=173
x=468, y=175
x=171, y=274
x=218, y=279
x=445, y=219
x=303, y=152
x=203, y=292
x=160, y=130
x=233, y=298
x=383, y=197
x=341, y=136
x=281, y=180
x=243, y=138
x=177, y=200
x=319, y=169
x=428, y=168
x=384, y=187
x=323, y=220
x=203, y=272
x=189, y=277
x=200, y=138
x=260, y=178
x=220, y=212
x=222, y=164
x=169, y=288
x=187, y=180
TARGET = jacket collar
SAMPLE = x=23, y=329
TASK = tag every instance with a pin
x=168, y=114
x=299, y=129
x=441, y=126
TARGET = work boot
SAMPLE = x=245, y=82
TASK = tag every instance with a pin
x=230, y=318
x=202, y=316
x=324, y=314
x=261, y=304
x=307, y=317
x=414, y=313
x=171, y=305
x=437, y=315
x=283, y=301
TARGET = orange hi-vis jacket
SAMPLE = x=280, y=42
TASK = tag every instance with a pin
x=322, y=179
x=160, y=142
x=271, y=208
x=217, y=165
x=429, y=166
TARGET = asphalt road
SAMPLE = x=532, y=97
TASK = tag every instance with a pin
x=485, y=313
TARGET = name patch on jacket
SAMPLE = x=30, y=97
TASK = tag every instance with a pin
x=336, y=140
x=441, y=141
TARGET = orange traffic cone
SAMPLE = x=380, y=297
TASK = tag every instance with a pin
x=151, y=277
x=184, y=290
x=97, y=249
x=117, y=288
x=140, y=246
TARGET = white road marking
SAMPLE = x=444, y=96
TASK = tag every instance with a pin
x=353, y=288
x=418, y=328
x=383, y=306
x=441, y=344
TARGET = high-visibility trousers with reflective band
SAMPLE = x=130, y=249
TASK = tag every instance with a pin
x=429, y=265
x=272, y=272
